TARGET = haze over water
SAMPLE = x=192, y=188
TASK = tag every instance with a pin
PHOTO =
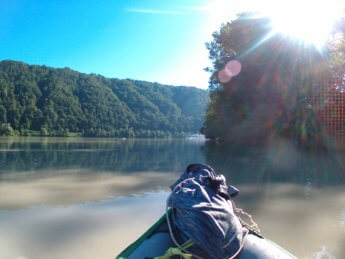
x=90, y=198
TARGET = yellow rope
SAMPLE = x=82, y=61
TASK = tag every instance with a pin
x=253, y=225
x=177, y=251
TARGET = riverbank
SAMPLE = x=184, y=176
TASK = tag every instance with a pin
x=7, y=130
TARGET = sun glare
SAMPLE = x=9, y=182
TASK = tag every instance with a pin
x=309, y=22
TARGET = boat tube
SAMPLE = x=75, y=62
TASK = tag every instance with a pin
x=157, y=240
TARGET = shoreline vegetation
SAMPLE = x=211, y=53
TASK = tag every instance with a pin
x=7, y=131
x=43, y=101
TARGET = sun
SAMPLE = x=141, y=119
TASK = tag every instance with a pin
x=309, y=22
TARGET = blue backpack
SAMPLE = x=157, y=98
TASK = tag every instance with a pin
x=202, y=212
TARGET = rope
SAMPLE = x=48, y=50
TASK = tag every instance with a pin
x=253, y=226
x=241, y=246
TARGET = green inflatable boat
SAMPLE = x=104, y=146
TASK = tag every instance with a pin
x=156, y=241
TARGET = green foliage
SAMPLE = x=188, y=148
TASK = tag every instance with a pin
x=44, y=132
x=6, y=130
x=336, y=50
x=273, y=92
x=55, y=102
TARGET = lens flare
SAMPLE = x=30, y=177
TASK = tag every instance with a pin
x=231, y=69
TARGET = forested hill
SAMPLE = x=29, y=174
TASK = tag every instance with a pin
x=63, y=101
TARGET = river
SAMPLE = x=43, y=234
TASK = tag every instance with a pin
x=90, y=198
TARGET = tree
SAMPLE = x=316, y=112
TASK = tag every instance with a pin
x=3, y=117
x=260, y=81
x=6, y=130
x=336, y=50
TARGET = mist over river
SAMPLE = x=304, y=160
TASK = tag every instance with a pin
x=90, y=198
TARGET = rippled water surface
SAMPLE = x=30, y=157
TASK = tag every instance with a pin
x=90, y=198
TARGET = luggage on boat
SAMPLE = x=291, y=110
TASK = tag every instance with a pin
x=200, y=223
x=201, y=205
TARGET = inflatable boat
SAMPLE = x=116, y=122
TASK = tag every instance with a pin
x=157, y=240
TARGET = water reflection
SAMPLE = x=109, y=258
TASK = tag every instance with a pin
x=114, y=155
x=300, y=224
x=342, y=218
x=87, y=198
x=101, y=228
x=279, y=162
x=89, y=230
x=68, y=187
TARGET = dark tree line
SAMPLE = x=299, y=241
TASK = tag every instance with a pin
x=59, y=102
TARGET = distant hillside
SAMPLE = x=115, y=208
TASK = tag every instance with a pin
x=60, y=101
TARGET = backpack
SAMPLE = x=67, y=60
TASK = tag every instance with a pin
x=202, y=212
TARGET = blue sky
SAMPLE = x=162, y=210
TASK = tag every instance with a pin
x=155, y=40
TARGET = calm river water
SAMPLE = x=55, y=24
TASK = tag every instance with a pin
x=90, y=198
